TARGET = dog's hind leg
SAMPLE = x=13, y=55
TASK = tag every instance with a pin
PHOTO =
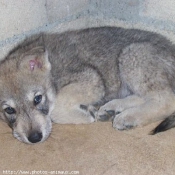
x=74, y=101
x=147, y=72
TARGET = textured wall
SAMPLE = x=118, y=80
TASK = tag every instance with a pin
x=22, y=18
x=157, y=13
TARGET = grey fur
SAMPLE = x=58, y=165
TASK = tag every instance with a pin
x=127, y=71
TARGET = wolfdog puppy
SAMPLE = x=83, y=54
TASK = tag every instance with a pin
x=82, y=76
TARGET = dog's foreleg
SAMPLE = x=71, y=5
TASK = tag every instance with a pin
x=156, y=106
x=136, y=111
x=108, y=111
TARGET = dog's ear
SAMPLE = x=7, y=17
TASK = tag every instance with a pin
x=35, y=60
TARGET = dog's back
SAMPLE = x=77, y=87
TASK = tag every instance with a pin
x=99, y=48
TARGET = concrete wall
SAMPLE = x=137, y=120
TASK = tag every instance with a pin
x=157, y=13
x=19, y=19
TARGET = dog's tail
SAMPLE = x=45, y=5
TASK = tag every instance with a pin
x=166, y=124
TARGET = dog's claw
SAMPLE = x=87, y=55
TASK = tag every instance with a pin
x=104, y=118
x=108, y=116
x=110, y=112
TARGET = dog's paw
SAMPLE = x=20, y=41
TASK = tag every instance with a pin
x=107, y=112
x=91, y=111
x=107, y=115
x=124, y=121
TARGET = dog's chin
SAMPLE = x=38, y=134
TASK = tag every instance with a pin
x=24, y=139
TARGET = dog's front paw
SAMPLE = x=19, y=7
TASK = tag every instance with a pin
x=107, y=112
x=124, y=121
x=107, y=115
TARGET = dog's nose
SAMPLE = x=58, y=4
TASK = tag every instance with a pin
x=35, y=137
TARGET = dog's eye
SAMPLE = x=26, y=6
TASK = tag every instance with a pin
x=10, y=110
x=37, y=99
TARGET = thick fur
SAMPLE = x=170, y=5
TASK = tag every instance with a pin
x=85, y=76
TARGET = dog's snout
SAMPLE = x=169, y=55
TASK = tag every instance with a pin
x=35, y=137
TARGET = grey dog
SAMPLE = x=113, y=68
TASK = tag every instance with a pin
x=95, y=74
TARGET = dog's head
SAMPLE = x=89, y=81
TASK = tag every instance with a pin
x=26, y=94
